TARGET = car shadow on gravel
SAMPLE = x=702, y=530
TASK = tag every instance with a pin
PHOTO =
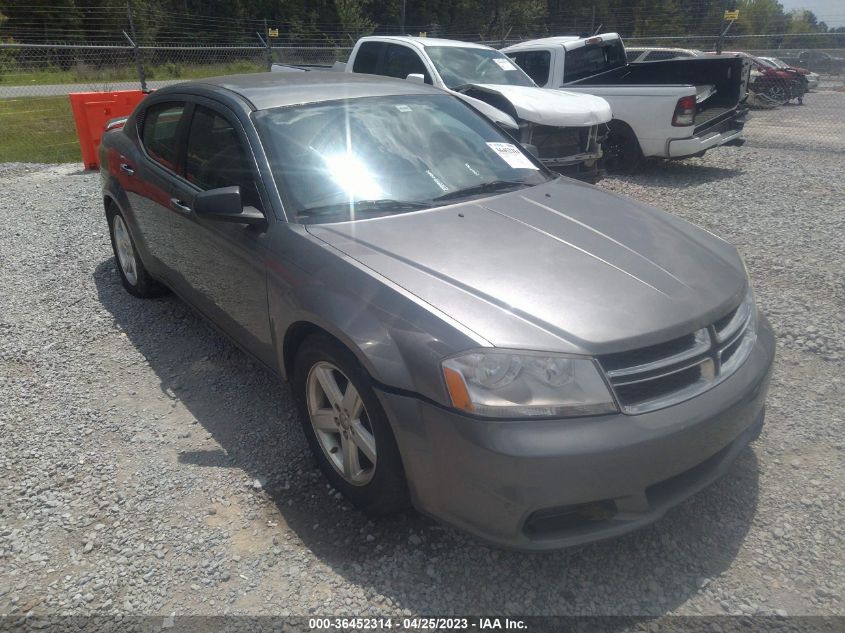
x=407, y=561
x=679, y=174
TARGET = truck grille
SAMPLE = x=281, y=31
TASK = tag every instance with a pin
x=659, y=376
x=556, y=142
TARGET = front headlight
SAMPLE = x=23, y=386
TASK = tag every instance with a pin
x=506, y=383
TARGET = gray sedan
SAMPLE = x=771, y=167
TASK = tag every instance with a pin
x=517, y=354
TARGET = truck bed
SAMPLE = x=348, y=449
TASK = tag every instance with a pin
x=719, y=73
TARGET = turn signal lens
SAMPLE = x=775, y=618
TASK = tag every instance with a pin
x=457, y=390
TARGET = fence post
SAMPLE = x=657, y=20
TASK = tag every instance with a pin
x=139, y=66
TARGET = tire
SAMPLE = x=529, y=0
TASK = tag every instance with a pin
x=378, y=487
x=134, y=276
x=778, y=93
x=622, y=149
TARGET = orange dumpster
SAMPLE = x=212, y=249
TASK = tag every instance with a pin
x=91, y=111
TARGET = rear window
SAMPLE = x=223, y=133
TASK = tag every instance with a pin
x=535, y=64
x=160, y=127
x=593, y=59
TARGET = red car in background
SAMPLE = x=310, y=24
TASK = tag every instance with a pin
x=780, y=85
x=812, y=78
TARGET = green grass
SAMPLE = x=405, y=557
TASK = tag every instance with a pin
x=84, y=74
x=38, y=130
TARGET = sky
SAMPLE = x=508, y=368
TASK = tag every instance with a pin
x=832, y=12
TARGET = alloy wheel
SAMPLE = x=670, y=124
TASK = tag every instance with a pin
x=125, y=250
x=341, y=424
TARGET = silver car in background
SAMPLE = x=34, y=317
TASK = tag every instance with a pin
x=529, y=358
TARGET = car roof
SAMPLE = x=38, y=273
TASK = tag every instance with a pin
x=424, y=41
x=270, y=90
x=671, y=49
x=560, y=40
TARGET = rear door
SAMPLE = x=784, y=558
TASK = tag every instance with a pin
x=220, y=266
x=150, y=181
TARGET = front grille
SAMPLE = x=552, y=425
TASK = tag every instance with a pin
x=661, y=375
x=558, y=142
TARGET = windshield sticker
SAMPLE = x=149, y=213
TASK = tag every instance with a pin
x=436, y=180
x=403, y=108
x=509, y=153
x=504, y=64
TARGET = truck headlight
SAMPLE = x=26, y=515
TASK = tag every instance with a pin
x=508, y=383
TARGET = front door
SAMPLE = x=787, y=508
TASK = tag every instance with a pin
x=220, y=266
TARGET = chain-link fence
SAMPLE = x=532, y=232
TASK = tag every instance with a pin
x=35, y=79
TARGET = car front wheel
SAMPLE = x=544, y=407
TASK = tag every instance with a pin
x=346, y=427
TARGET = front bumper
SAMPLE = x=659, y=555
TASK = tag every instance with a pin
x=547, y=484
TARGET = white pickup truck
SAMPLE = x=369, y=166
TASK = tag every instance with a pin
x=567, y=129
x=668, y=109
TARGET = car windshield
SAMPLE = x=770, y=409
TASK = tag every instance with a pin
x=459, y=66
x=777, y=62
x=369, y=157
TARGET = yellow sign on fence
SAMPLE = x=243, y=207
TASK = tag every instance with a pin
x=732, y=15
x=273, y=32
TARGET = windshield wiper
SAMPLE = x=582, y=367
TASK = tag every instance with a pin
x=385, y=204
x=486, y=187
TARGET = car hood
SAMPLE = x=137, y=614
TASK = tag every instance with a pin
x=557, y=108
x=562, y=266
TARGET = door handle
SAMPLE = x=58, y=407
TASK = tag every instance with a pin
x=180, y=206
x=127, y=169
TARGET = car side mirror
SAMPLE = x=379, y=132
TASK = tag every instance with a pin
x=225, y=205
x=531, y=149
x=417, y=78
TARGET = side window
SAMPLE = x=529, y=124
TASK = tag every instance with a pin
x=216, y=156
x=658, y=56
x=160, y=126
x=632, y=55
x=535, y=64
x=401, y=61
x=366, y=59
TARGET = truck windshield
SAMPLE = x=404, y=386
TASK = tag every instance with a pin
x=460, y=66
x=592, y=59
x=370, y=157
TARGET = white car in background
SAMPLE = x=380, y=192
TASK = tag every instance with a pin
x=639, y=54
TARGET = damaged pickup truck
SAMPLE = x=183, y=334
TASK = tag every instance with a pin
x=670, y=109
x=567, y=129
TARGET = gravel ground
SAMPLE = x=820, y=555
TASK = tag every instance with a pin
x=149, y=467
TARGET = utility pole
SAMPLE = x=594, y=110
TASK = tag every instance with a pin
x=402, y=19
x=269, y=47
x=133, y=41
x=730, y=17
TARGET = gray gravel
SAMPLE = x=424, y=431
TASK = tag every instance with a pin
x=149, y=467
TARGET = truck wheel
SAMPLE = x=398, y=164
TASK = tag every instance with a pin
x=622, y=149
x=346, y=427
